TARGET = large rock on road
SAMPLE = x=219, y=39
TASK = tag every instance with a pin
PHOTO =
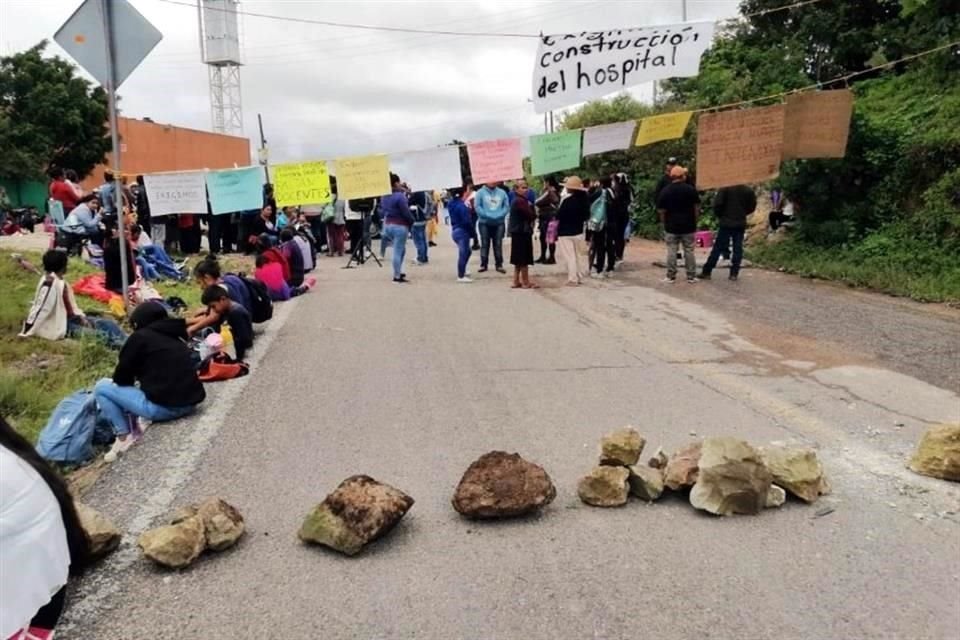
x=938, y=454
x=502, y=485
x=732, y=478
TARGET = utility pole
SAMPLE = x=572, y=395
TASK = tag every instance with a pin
x=106, y=10
x=545, y=129
x=551, y=122
x=264, y=158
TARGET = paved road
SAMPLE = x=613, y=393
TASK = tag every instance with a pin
x=410, y=383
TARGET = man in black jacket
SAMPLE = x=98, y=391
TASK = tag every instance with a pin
x=155, y=355
x=732, y=206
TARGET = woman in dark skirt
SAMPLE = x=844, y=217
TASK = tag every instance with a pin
x=522, y=216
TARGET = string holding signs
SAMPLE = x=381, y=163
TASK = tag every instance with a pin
x=495, y=160
x=571, y=68
x=667, y=126
x=739, y=147
x=179, y=192
x=608, y=137
x=817, y=124
x=552, y=152
x=429, y=169
x=235, y=190
x=363, y=176
x=301, y=183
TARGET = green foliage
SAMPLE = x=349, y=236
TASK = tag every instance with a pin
x=48, y=116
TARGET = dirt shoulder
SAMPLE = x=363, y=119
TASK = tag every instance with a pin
x=818, y=321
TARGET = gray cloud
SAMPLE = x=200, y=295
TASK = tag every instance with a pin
x=327, y=91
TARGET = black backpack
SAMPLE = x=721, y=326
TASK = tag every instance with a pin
x=261, y=306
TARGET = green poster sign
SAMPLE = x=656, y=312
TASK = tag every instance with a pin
x=553, y=152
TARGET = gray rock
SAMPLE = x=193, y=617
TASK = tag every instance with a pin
x=646, y=483
x=776, y=496
x=175, y=545
x=358, y=512
x=502, y=485
x=605, y=486
x=622, y=447
x=732, y=478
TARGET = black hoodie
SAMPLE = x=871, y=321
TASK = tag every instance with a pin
x=157, y=356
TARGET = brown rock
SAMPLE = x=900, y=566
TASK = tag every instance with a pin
x=502, y=485
x=605, y=486
x=659, y=460
x=681, y=470
x=622, y=447
x=646, y=483
x=938, y=454
x=104, y=535
x=732, y=478
x=174, y=545
x=358, y=512
x=797, y=470
x=222, y=523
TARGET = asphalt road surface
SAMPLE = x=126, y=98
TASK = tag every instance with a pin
x=410, y=383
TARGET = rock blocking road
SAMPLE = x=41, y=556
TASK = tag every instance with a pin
x=410, y=384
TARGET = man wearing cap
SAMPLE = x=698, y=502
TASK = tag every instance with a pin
x=679, y=209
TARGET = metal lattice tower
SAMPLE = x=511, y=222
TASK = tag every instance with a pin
x=220, y=50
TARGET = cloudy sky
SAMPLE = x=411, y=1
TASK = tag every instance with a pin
x=327, y=91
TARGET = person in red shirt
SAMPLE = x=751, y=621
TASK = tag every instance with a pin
x=61, y=191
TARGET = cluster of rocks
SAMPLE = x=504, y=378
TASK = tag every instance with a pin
x=211, y=525
x=725, y=476
x=358, y=512
x=938, y=454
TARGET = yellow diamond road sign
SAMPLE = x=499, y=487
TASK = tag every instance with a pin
x=83, y=36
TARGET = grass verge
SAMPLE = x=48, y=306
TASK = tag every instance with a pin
x=35, y=374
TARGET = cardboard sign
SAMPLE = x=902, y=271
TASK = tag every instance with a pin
x=817, y=124
x=301, y=183
x=235, y=190
x=429, y=169
x=362, y=177
x=554, y=152
x=495, y=160
x=739, y=147
x=608, y=137
x=667, y=126
x=172, y=193
x=576, y=67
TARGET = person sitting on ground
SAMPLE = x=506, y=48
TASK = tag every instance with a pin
x=111, y=257
x=305, y=242
x=42, y=542
x=55, y=314
x=157, y=357
x=291, y=252
x=208, y=273
x=156, y=259
x=84, y=220
x=263, y=229
x=234, y=314
x=271, y=275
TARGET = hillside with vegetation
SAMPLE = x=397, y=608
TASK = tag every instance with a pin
x=887, y=215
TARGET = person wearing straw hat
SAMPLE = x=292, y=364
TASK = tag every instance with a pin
x=572, y=214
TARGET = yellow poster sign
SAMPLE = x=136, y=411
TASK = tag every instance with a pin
x=668, y=126
x=363, y=176
x=301, y=183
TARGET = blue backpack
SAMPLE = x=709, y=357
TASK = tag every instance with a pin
x=68, y=436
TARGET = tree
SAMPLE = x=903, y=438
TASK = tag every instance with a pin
x=49, y=116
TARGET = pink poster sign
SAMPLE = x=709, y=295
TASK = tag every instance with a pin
x=495, y=160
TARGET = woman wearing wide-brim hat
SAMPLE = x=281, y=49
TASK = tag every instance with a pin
x=571, y=217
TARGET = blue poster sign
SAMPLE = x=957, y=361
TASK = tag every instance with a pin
x=233, y=190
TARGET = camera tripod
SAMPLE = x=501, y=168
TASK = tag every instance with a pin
x=363, y=250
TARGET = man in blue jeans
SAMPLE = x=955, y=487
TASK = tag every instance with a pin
x=492, y=205
x=732, y=206
x=421, y=205
x=397, y=221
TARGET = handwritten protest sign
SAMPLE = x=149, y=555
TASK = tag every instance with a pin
x=363, y=176
x=554, y=152
x=572, y=68
x=739, y=147
x=301, y=183
x=429, y=169
x=495, y=160
x=608, y=137
x=817, y=124
x=668, y=126
x=181, y=192
x=235, y=190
